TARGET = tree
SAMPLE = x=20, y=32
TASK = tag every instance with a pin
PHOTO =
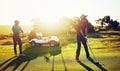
x=112, y=23
x=106, y=19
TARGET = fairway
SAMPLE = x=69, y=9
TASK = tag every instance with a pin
x=106, y=50
x=59, y=35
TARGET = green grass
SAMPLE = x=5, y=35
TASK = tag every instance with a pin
x=105, y=48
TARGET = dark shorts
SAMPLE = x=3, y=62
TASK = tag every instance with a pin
x=80, y=38
x=16, y=38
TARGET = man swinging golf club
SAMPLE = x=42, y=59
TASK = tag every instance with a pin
x=82, y=29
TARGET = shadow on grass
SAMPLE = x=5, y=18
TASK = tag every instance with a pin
x=65, y=68
x=52, y=64
x=31, y=54
x=97, y=64
x=53, y=54
x=85, y=66
x=6, y=61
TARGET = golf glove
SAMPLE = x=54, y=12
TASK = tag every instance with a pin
x=85, y=38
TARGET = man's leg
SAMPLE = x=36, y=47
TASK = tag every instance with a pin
x=15, y=45
x=78, y=48
x=20, y=45
x=86, y=48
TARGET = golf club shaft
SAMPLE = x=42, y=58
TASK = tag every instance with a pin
x=91, y=52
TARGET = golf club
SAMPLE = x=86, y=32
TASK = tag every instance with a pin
x=96, y=61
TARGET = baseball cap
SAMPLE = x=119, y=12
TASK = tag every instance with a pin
x=16, y=21
x=83, y=16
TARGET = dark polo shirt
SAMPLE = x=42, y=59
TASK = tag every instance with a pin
x=81, y=26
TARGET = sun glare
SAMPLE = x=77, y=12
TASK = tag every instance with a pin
x=50, y=23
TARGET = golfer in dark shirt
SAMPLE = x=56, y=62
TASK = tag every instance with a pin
x=82, y=27
x=16, y=38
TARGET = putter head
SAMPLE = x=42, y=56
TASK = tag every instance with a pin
x=97, y=63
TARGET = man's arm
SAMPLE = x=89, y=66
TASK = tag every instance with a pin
x=86, y=31
x=86, y=28
x=21, y=30
x=82, y=33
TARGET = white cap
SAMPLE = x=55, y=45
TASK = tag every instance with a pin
x=83, y=16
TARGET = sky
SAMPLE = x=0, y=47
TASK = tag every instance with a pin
x=51, y=10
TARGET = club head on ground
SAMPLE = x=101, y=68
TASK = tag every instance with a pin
x=97, y=63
